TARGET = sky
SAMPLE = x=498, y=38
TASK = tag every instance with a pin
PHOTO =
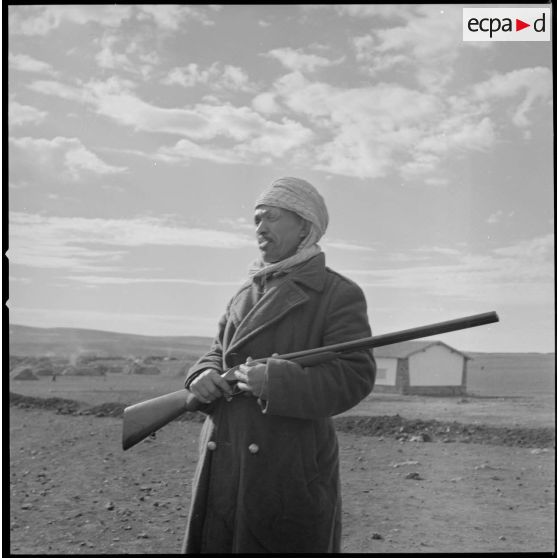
x=140, y=135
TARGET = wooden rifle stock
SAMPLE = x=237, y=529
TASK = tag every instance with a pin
x=145, y=418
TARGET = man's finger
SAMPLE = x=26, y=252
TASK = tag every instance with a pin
x=244, y=369
x=223, y=386
x=243, y=387
x=241, y=375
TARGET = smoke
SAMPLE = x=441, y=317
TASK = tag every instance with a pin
x=75, y=356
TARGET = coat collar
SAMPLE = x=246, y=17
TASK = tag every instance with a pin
x=278, y=301
x=311, y=273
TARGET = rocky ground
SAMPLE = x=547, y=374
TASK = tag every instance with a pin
x=408, y=485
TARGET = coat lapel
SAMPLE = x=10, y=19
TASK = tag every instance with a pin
x=277, y=302
x=250, y=316
x=244, y=302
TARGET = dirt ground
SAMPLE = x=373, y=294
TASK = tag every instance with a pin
x=74, y=491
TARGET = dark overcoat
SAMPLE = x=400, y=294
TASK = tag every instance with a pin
x=268, y=475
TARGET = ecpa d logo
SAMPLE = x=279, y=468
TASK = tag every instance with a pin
x=506, y=24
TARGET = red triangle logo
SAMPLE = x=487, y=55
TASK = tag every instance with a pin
x=519, y=25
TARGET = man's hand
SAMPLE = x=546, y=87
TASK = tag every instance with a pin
x=252, y=378
x=210, y=385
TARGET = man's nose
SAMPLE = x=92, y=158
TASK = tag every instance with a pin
x=261, y=227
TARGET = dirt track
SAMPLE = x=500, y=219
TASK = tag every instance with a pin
x=74, y=490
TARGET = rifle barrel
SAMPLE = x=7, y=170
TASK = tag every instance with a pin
x=398, y=336
x=144, y=418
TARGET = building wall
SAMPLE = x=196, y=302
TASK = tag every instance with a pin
x=402, y=384
x=436, y=366
x=386, y=371
x=439, y=391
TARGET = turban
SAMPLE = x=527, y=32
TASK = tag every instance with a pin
x=300, y=197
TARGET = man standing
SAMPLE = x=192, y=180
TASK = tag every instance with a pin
x=268, y=475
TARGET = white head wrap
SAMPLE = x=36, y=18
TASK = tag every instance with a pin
x=300, y=197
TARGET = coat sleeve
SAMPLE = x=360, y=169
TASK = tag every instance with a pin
x=213, y=358
x=333, y=387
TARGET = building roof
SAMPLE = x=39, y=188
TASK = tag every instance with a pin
x=407, y=348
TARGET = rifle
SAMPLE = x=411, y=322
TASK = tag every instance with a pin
x=145, y=418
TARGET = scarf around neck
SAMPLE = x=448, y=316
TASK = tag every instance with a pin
x=308, y=248
x=262, y=270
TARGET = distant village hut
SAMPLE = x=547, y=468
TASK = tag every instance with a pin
x=115, y=368
x=82, y=371
x=145, y=369
x=421, y=368
x=44, y=371
x=25, y=374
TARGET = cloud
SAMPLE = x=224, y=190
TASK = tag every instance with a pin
x=413, y=129
x=370, y=131
x=375, y=61
x=457, y=133
x=43, y=242
x=23, y=280
x=107, y=58
x=421, y=25
x=364, y=129
x=496, y=217
x=188, y=76
x=217, y=77
x=238, y=133
x=539, y=251
x=58, y=89
x=339, y=245
x=499, y=216
x=79, y=159
x=19, y=114
x=298, y=61
x=133, y=57
x=266, y=103
x=41, y=20
x=258, y=141
x=373, y=11
x=535, y=84
x=518, y=274
x=424, y=41
x=120, y=280
x=58, y=156
x=85, y=244
x=25, y=63
x=251, y=134
x=234, y=78
x=185, y=150
x=115, y=99
x=172, y=16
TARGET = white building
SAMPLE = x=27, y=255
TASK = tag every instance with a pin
x=421, y=368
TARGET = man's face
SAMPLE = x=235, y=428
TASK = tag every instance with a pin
x=278, y=232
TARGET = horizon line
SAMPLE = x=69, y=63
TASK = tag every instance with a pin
x=210, y=337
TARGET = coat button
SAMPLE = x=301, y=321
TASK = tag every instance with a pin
x=211, y=445
x=253, y=448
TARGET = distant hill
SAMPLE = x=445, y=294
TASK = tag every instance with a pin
x=72, y=342
x=488, y=373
